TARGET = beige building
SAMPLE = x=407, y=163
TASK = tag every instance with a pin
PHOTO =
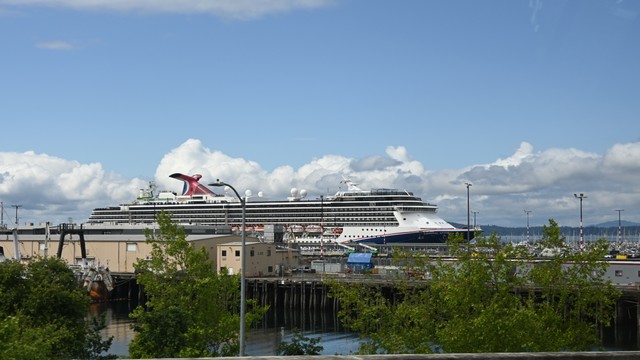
x=261, y=259
x=120, y=252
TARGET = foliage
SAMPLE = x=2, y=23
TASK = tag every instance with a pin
x=494, y=297
x=191, y=311
x=300, y=345
x=42, y=313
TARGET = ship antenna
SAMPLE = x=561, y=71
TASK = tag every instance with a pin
x=352, y=186
x=152, y=188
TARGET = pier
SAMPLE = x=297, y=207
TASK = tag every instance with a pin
x=309, y=292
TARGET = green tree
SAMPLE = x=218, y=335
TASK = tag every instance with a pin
x=191, y=311
x=43, y=313
x=300, y=345
x=493, y=298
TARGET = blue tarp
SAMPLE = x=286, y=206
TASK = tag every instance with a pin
x=359, y=258
x=360, y=261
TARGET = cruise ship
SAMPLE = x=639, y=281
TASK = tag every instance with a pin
x=354, y=215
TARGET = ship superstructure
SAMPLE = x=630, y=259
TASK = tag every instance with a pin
x=351, y=215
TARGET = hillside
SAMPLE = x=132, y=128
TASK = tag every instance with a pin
x=608, y=229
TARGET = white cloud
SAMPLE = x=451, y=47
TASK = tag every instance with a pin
x=626, y=156
x=524, y=151
x=54, y=189
x=239, y=9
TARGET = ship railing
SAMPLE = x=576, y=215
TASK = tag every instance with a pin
x=406, y=209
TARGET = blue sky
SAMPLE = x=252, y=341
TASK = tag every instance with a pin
x=530, y=101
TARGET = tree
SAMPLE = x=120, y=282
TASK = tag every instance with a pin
x=494, y=297
x=300, y=345
x=43, y=313
x=191, y=311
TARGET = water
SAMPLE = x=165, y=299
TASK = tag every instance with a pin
x=262, y=340
x=278, y=327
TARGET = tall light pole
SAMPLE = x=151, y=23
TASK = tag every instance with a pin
x=242, y=262
x=619, y=226
x=468, y=215
x=581, y=196
x=527, y=212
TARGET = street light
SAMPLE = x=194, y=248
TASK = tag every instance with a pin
x=581, y=196
x=468, y=215
x=242, y=262
x=527, y=212
x=619, y=227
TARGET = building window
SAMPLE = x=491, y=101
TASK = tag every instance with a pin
x=133, y=247
x=252, y=253
x=268, y=252
x=618, y=272
x=270, y=269
x=237, y=252
x=224, y=252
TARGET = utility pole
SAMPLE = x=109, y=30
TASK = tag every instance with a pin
x=17, y=206
x=619, y=226
x=474, y=220
x=468, y=215
x=527, y=212
x=322, y=234
x=581, y=196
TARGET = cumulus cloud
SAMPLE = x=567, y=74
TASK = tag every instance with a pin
x=524, y=151
x=624, y=156
x=239, y=9
x=55, y=189
x=52, y=189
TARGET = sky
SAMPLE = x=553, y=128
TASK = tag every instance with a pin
x=529, y=101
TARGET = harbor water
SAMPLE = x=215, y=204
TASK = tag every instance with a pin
x=262, y=340
x=277, y=327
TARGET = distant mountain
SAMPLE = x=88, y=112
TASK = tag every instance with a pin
x=609, y=228
x=623, y=223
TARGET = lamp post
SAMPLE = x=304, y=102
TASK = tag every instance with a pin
x=527, y=212
x=581, y=196
x=242, y=262
x=468, y=215
x=619, y=226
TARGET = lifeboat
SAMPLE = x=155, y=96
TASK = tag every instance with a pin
x=314, y=229
x=296, y=229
